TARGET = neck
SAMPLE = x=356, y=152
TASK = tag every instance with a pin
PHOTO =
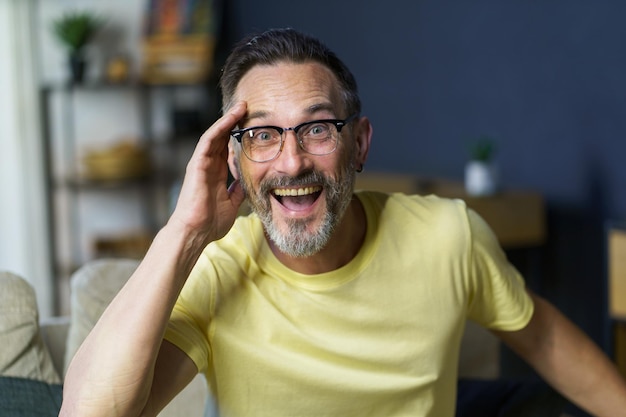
x=339, y=250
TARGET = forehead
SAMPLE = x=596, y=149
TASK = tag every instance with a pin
x=288, y=87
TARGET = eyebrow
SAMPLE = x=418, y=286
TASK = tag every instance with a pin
x=259, y=114
x=311, y=110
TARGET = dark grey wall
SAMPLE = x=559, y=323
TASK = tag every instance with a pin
x=547, y=79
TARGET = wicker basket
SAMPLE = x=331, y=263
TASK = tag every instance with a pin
x=121, y=162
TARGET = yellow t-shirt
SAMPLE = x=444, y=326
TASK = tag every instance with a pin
x=377, y=337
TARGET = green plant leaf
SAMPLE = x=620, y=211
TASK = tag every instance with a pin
x=75, y=29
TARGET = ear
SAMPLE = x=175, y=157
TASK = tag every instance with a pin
x=363, y=137
x=233, y=158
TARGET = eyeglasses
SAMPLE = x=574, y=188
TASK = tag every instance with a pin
x=265, y=143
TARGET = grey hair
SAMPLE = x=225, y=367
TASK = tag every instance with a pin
x=285, y=45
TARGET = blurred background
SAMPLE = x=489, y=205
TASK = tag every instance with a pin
x=543, y=80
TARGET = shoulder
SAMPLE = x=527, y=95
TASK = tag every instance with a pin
x=446, y=221
x=413, y=207
x=414, y=219
x=409, y=201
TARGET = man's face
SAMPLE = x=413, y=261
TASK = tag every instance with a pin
x=299, y=197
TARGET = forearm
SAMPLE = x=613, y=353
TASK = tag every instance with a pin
x=574, y=365
x=114, y=366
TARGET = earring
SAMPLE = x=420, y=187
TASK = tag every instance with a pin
x=360, y=168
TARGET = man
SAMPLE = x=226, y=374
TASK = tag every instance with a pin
x=323, y=302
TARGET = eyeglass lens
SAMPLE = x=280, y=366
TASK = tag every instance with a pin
x=265, y=143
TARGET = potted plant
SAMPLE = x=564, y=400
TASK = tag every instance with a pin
x=480, y=171
x=75, y=30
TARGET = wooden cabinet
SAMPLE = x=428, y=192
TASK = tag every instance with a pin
x=617, y=293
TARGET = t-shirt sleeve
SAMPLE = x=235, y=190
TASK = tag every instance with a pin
x=498, y=296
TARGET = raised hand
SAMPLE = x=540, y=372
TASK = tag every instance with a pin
x=206, y=207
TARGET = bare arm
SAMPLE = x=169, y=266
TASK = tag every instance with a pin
x=112, y=373
x=569, y=360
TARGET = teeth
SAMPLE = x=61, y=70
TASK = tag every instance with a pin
x=294, y=192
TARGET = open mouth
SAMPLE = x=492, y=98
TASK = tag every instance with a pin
x=297, y=199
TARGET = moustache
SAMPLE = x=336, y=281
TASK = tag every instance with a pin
x=304, y=179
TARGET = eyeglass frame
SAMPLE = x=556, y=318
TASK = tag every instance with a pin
x=338, y=123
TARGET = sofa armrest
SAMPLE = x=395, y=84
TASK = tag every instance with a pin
x=54, y=332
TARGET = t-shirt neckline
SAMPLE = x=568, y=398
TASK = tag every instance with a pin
x=270, y=264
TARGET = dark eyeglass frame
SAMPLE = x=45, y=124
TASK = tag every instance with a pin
x=338, y=123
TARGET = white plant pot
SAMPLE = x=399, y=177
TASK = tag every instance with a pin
x=480, y=178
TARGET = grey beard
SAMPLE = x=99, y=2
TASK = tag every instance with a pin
x=296, y=241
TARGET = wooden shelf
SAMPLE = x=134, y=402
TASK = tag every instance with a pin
x=78, y=183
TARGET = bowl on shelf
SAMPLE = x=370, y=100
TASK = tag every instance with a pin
x=123, y=161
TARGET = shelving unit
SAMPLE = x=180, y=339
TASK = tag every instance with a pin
x=82, y=208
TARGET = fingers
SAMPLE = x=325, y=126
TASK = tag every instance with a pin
x=229, y=120
x=214, y=140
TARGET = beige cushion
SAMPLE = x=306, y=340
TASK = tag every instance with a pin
x=22, y=351
x=93, y=287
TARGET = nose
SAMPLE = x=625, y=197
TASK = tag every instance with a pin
x=292, y=159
